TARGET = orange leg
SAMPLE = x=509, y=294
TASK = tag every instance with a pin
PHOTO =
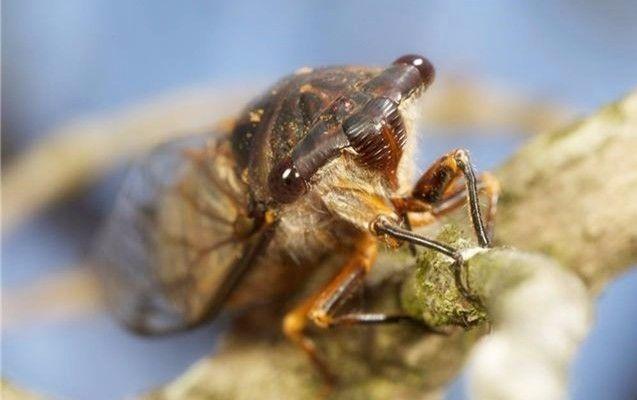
x=436, y=193
x=488, y=185
x=322, y=306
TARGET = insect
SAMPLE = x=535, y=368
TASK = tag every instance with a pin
x=320, y=165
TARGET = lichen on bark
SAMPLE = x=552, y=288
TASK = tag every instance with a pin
x=430, y=292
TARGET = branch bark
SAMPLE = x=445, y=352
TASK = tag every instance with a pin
x=569, y=207
x=572, y=194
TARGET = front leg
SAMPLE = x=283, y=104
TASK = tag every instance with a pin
x=487, y=185
x=436, y=192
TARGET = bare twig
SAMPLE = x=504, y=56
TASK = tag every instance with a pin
x=572, y=194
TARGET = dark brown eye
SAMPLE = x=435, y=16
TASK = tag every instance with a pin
x=286, y=184
x=426, y=69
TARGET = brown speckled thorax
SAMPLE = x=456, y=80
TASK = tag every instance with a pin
x=310, y=118
x=270, y=127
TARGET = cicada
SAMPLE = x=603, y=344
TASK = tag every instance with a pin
x=320, y=165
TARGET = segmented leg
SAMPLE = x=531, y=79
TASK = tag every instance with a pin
x=486, y=184
x=321, y=307
x=380, y=319
x=435, y=191
x=383, y=227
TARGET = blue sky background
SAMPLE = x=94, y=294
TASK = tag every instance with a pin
x=67, y=59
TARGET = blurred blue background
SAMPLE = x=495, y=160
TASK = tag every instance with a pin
x=66, y=59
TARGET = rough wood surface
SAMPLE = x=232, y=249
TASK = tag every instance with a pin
x=572, y=194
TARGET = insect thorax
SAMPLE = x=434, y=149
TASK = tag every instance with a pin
x=270, y=127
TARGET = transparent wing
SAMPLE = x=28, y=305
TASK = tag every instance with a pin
x=178, y=237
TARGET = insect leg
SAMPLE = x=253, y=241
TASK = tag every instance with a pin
x=426, y=214
x=383, y=227
x=320, y=307
x=435, y=188
x=294, y=324
x=488, y=185
x=380, y=319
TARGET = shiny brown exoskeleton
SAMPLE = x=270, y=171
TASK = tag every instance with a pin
x=319, y=166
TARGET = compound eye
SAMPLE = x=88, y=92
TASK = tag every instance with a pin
x=426, y=69
x=286, y=184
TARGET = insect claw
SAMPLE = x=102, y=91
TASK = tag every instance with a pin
x=463, y=288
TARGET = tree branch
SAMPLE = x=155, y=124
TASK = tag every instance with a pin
x=572, y=194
